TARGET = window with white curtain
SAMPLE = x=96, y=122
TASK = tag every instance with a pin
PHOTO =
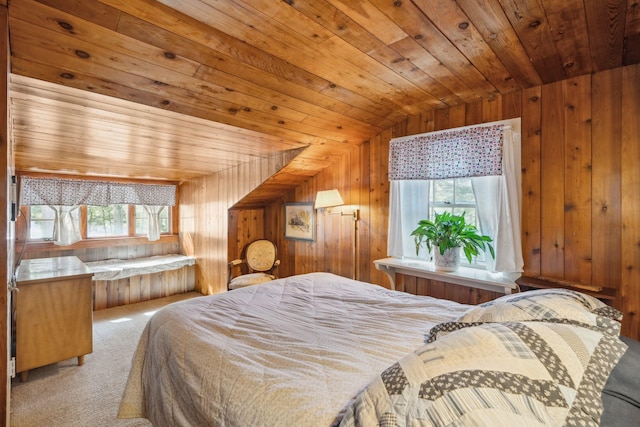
x=107, y=221
x=41, y=221
x=154, y=219
x=454, y=195
x=55, y=207
x=101, y=221
x=475, y=170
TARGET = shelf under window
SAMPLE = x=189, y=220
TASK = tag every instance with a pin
x=464, y=276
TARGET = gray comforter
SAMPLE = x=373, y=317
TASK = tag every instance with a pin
x=295, y=351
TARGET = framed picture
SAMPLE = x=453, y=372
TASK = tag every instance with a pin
x=299, y=221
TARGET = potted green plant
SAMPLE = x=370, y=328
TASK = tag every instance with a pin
x=448, y=233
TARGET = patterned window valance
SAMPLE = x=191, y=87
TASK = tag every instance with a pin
x=72, y=192
x=467, y=152
x=142, y=194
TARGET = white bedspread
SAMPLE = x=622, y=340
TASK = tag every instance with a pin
x=291, y=352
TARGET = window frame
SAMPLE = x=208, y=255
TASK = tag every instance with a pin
x=451, y=204
x=498, y=201
x=132, y=224
x=478, y=261
x=25, y=211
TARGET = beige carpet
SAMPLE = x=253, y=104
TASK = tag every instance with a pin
x=65, y=394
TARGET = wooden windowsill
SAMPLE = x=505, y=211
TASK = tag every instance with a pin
x=464, y=276
x=96, y=243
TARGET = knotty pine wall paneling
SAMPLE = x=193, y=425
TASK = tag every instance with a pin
x=142, y=287
x=247, y=225
x=552, y=182
x=365, y=269
x=579, y=182
x=112, y=293
x=580, y=187
x=606, y=170
x=88, y=250
x=204, y=216
x=578, y=168
x=378, y=204
x=335, y=235
x=630, y=191
x=311, y=256
x=274, y=231
x=531, y=147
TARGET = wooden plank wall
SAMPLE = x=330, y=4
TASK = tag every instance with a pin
x=580, y=182
x=333, y=248
x=118, y=248
x=440, y=289
x=204, y=218
x=247, y=225
x=143, y=287
x=112, y=293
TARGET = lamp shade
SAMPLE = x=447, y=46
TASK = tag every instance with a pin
x=328, y=198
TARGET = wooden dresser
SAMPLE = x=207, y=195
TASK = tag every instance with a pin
x=53, y=312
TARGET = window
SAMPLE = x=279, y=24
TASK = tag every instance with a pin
x=422, y=199
x=142, y=220
x=106, y=208
x=107, y=221
x=101, y=221
x=41, y=219
x=454, y=195
x=475, y=170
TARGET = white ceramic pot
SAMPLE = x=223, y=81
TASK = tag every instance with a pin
x=449, y=261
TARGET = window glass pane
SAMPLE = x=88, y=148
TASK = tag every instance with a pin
x=442, y=191
x=164, y=220
x=464, y=191
x=41, y=219
x=460, y=210
x=470, y=215
x=106, y=221
x=438, y=210
x=455, y=196
x=142, y=219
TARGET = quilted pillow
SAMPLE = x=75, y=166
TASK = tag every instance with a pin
x=494, y=374
x=548, y=304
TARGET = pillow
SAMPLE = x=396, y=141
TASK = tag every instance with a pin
x=494, y=374
x=545, y=305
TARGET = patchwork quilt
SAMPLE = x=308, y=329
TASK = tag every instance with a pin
x=548, y=370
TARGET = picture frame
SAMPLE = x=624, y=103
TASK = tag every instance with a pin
x=299, y=221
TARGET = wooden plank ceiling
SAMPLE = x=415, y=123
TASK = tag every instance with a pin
x=174, y=89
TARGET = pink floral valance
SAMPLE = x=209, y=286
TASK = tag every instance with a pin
x=467, y=152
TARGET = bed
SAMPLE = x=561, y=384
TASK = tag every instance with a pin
x=321, y=350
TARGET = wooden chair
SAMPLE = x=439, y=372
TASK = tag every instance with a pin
x=257, y=265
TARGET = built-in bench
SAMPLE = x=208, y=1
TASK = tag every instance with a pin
x=125, y=281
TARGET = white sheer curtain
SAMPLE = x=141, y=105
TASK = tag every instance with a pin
x=408, y=204
x=498, y=209
x=153, y=232
x=497, y=197
x=66, y=228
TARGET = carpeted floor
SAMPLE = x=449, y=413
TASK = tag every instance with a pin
x=65, y=394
